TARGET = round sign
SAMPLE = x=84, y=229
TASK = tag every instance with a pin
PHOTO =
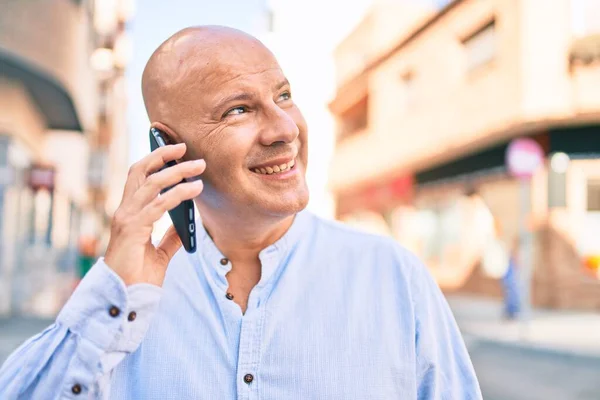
x=523, y=157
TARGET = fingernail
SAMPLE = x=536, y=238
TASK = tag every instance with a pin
x=198, y=182
x=199, y=161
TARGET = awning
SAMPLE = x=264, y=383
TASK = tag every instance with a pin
x=51, y=96
x=586, y=49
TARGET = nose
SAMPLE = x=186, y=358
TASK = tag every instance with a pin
x=278, y=127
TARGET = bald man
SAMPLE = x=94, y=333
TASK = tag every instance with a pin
x=276, y=303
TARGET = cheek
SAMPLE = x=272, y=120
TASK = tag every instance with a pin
x=226, y=159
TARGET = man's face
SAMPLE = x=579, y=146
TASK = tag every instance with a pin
x=241, y=118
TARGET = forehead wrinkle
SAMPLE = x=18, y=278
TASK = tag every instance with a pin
x=245, y=74
x=244, y=87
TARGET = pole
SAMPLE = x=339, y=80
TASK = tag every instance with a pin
x=526, y=255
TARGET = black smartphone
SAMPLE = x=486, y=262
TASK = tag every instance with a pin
x=183, y=215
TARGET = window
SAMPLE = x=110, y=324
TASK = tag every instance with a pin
x=585, y=17
x=481, y=46
x=354, y=120
x=408, y=90
x=593, y=195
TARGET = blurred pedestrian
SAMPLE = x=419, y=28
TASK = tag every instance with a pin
x=511, y=284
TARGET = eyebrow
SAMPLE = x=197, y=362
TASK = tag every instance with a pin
x=281, y=84
x=245, y=96
x=234, y=97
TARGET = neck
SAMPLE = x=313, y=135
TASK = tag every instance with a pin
x=241, y=239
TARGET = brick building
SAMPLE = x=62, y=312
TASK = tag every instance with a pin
x=425, y=115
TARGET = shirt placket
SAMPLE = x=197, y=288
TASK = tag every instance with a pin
x=251, y=338
x=247, y=363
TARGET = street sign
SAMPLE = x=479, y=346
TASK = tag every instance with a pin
x=523, y=157
x=41, y=177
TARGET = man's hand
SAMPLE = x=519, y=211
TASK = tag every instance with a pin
x=130, y=252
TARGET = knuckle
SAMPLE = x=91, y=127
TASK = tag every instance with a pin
x=133, y=169
x=197, y=184
x=152, y=181
x=161, y=200
x=183, y=171
x=119, y=219
x=178, y=193
x=192, y=168
x=184, y=189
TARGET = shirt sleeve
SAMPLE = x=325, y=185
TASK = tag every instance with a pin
x=444, y=370
x=102, y=322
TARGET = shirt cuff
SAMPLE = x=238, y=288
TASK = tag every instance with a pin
x=106, y=312
x=143, y=302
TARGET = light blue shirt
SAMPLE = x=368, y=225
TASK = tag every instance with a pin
x=337, y=315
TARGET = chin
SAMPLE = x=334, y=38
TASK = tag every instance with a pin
x=286, y=205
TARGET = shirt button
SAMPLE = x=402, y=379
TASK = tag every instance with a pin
x=224, y=261
x=248, y=378
x=76, y=389
x=131, y=317
x=114, y=311
x=229, y=296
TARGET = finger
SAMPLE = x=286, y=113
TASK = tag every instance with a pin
x=150, y=164
x=169, y=200
x=170, y=243
x=166, y=178
x=159, y=157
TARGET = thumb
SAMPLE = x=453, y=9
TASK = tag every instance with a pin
x=170, y=242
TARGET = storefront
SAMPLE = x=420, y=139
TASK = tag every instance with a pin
x=456, y=213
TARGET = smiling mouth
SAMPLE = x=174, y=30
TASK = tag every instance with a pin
x=275, y=169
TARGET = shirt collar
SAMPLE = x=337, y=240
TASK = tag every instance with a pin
x=271, y=257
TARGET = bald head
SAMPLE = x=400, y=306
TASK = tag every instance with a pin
x=191, y=58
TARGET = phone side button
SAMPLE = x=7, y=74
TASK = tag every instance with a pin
x=191, y=227
x=192, y=242
x=191, y=214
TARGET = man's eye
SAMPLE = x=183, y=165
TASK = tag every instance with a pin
x=236, y=111
x=285, y=96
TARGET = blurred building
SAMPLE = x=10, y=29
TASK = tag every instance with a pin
x=61, y=136
x=425, y=115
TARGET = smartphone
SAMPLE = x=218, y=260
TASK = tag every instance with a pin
x=183, y=215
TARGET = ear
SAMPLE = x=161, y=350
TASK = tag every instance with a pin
x=172, y=136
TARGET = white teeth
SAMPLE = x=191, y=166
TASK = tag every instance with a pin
x=275, y=169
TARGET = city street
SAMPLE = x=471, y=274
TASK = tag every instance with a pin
x=506, y=372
